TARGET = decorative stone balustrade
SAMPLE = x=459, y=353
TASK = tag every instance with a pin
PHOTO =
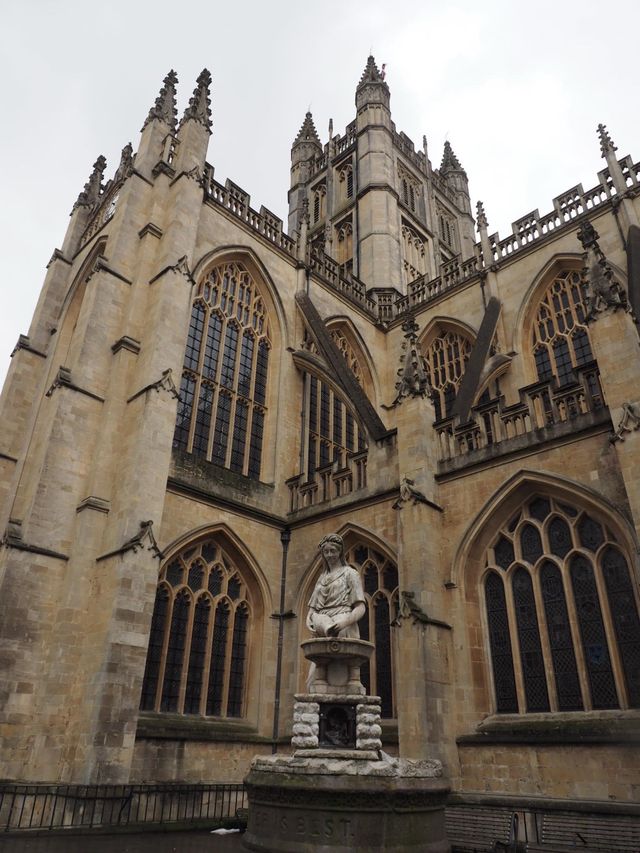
x=542, y=405
x=328, y=483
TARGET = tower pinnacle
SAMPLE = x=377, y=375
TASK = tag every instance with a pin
x=164, y=108
x=606, y=143
x=307, y=132
x=372, y=88
x=450, y=162
x=199, y=108
x=90, y=195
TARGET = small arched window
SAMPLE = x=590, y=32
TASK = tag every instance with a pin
x=560, y=337
x=446, y=358
x=560, y=591
x=345, y=245
x=223, y=394
x=332, y=432
x=319, y=202
x=345, y=176
x=198, y=646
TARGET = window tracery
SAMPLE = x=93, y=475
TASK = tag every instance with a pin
x=198, y=646
x=224, y=383
x=409, y=189
x=345, y=177
x=344, y=254
x=560, y=336
x=414, y=253
x=447, y=228
x=332, y=431
x=557, y=586
x=319, y=199
x=446, y=358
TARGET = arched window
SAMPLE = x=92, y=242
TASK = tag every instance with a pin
x=447, y=229
x=344, y=254
x=559, y=590
x=414, y=252
x=560, y=336
x=331, y=431
x=345, y=176
x=198, y=646
x=380, y=584
x=319, y=196
x=348, y=353
x=446, y=358
x=223, y=394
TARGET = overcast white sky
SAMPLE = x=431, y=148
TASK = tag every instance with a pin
x=518, y=89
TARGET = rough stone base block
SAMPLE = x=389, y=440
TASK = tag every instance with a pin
x=330, y=806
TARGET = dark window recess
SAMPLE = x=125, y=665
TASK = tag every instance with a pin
x=175, y=653
x=193, y=692
x=154, y=653
x=530, y=543
x=196, y=575
x=238, y=658
x=383, y=655
x=175, y=573
x=218, y=657
x=590, y=533
x=533, y=672
x=504, y=553
x=500, y=645
x=185, y=410
x=565, y=670
x=559, y=537
x=539, y=508
x=594, y=640
x=624, y=613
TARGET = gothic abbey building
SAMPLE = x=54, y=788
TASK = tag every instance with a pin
x=203, y=395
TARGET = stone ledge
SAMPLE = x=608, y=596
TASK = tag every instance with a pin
x=153, y=726
x=578, y=728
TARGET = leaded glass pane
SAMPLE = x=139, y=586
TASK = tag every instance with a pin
x=209, y=551
x=196, y=575
x=185, y=410
x=565, y=669
x=383, y=655
x=194, y=339
x=221, y=435
x=532, y=662
x=594, y=640
x=234, y=588
x=175, y=653
x=239, y=437
x=215, y=581
x=238, y=659
x=539, y=508
x=390, y=576
x=504, y=553
x=245, y=365
x=218, y=658
x=195, y=672
x=154, y=652
x=530, y=543
x=559, y=537
x=212, y=348
x=370, y=580
x=500, y=645
x=624, y=613
x=255, y=447
x=590, y=532
x=174, y=573
x=203, y=420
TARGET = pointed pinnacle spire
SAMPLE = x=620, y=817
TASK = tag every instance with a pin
x=90, y=195
x=164, y=108
x=450, y=162
x=606, y=143
x=307, y=132
x=126, y=163
x=199, y=108
x=371, y=73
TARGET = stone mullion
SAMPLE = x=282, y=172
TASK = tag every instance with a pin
x=227, y=660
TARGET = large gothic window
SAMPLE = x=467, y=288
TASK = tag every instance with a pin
x=562, y=613
x=332, y=431
x=446, y=358
x=198, y=646
x=222, y=408
x=560, y=337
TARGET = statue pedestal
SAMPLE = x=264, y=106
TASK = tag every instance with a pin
x=338, y=792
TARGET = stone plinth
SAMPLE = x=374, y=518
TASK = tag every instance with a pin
x=337, y=663
x=325, y=804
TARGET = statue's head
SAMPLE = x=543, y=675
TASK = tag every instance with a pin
x=334, y=540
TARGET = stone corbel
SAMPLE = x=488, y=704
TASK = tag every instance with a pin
x=165, y=383
x=629, y=422
x=181, y=266
x=409, y=494
x=409, y=609
x=143, y=539
x=63, y=380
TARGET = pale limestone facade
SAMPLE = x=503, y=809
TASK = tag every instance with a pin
x=89, y=454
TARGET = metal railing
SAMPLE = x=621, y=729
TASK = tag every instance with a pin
x=55, y=806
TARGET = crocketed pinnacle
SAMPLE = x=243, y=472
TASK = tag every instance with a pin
x=307, y=132
x=126, y=163
x=606, y=143
x=371, y=73
x=164, y=108
x=450, y=162
x=90, y=195
x=481, y=216
x=199, y=108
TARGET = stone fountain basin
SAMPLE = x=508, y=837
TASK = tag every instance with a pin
x=325, y=650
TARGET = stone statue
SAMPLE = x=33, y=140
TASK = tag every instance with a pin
x=337, y=603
